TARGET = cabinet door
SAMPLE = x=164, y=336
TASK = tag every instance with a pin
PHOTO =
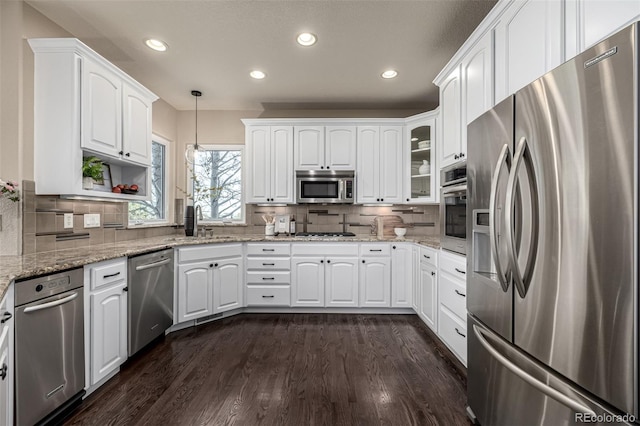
x=136, y=123
x=227, y=284
x=429, y=296
x=309, y=147
x=101, y=110
x=420, y=145
x=402, y=276
x=390, y=168
x=375, y=282
x=368, y=153
x=341, y=281
x=307, y=286
x=450, y=119
x=525, y=49
x=340, y=147
x=108, y=331
x=258, y=140
x=602, y=18
x=477, y=78
x=415, y=271
x=282, y=174
x=195, y=290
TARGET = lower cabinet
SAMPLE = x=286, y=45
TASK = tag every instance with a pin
x=195, y=290
x=375, y=282
x=402, y=275
x=6, y=358
x=307, y=275
x=452, y=312
x=341, y=281
x=106, y=286
x=428, y=295
x=227, y=284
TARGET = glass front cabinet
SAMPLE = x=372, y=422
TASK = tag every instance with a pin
x=421, y=176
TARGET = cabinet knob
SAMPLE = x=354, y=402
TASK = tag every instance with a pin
x=322, y=167
x=328, y=261
x=127, y=155
x=121, y=152
x=363, y=261
x=327, y=167
x=408, y=199
x=215, y=265
x=125, y=289
x=461, y=154
x=3, y=371
x=377, y=199
x=394, y=247
x=381, y=199
x=456, y=156
x=322, y=261
x=211, y=265
x=433, y=273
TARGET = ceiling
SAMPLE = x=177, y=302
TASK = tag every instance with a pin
x=214, y=44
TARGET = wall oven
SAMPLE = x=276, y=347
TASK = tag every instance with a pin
x=325, y=187
x=453, y=208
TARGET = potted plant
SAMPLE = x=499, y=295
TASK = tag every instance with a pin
x=91, y=171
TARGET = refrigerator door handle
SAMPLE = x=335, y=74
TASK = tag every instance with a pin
x=553, y=393
x=522, y=155
x=503, y=275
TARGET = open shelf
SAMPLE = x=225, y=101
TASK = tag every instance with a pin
x=419, y=176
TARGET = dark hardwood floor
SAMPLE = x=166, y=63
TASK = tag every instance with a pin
x=292, y=369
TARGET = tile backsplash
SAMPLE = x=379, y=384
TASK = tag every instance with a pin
x=43, y=221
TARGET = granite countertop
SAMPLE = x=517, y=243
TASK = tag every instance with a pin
x=18, y=267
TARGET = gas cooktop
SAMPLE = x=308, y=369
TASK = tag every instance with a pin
x=325, y=234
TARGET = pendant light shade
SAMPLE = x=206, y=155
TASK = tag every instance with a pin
x=190, y=152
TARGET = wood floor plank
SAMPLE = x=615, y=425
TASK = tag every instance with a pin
x=287, y=369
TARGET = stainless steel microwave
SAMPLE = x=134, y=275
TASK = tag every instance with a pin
x=313, y=187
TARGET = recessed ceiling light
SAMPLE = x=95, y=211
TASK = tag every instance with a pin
x=306, y=39
x=155, y=44
x=389, y=74
x=257, y=74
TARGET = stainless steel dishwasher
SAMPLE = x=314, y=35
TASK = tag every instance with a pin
x=49, y=345
x=150, y=297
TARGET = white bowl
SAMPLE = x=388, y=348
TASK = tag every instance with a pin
x=400, y=232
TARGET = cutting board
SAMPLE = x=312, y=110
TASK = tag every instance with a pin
x=388, y=223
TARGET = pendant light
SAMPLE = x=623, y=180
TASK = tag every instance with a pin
x=190, y=153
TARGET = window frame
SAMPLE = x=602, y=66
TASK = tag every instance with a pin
x=243, y=212
x=165, y=189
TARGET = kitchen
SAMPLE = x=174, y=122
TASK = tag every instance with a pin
x=498, y=59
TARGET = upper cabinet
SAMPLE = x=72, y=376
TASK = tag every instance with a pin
x=270, y=175
x=325, y=147
x=451, y=118
x=529, y=42
x=379, y=165
x=420, y=171
x=84, y=106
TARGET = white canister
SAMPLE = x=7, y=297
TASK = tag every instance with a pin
x=424, y=168
x=270, y=229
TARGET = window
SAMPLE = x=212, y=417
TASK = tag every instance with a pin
x=155, y=210
x=216, y=183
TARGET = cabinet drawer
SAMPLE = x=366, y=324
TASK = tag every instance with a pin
x=258, y=295
x=319, y=249
x=268, y=277
x=375, y=249
x=268, y=249
x=269, y=263
x=453, y=332
x=207, y=252
x=428, y=255
x=454, y=265
x=453, y=295
x=107, y=273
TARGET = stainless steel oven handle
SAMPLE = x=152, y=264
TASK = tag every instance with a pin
x=153, y=265
x=453, y=190
x=503, y=275
x=541, y=386
x=521, y=156
x=50, y=304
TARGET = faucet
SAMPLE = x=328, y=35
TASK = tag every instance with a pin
x=197, y=216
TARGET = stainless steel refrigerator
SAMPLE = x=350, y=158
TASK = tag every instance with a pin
x=553, y=246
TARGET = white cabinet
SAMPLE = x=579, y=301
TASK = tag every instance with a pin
x=195, y=290
x=451, y=119
x=268, y=274
x=106, y=330
x=375, y=275
x=420, y=148
x=452, y=310
x=529, y=41
x=308, y=281
x=402, y=275
x=325, y=147
x=415, y=271
x=6, y=357
x=598, y=19
x=227, y=284
x=429, y=295
x=380, y=164
x=341, y=281
x=85, y=106
x=270, y=176
x=477, y=84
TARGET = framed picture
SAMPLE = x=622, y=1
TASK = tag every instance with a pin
x=104, y=184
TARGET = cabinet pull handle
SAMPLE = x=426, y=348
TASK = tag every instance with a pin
x=268, y=264
x=460, y=294
x=458, y=270
x=428, y=257
x=6, y=317
x=268, y=278
x=3, y=371
x=458, y=331
x=268, y=249
x=111, y=275
x=375, y=250
x=268, y=297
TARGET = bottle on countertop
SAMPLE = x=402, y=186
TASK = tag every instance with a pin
x=292, y=225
